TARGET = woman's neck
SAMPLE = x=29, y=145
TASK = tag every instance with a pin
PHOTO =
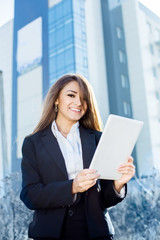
x=64, y=128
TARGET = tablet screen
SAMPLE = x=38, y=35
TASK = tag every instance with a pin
x=115, y=146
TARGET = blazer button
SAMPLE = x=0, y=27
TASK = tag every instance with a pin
x=70, y=213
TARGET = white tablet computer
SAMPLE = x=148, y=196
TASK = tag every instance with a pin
x=115, y=146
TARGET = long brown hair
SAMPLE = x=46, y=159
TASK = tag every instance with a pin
x=90, y=120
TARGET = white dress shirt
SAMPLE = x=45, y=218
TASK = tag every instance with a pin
x=71, y=149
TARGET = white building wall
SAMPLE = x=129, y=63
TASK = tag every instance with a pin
x=6, y=42
x=154, y=88
x=96, y=55
x=142, y=84
x=29, y=101
x=151, y=83
x=30, y=80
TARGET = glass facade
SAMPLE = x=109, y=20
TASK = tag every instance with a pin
x=55, y=39
x=119, y=32
x=122, y=56
x=54, y=36
x=127, y=109
x=67, y=39
x=124, y=81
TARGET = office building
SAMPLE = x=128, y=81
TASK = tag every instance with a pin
x=50, y=39
x=115, y=44
x=132, y=47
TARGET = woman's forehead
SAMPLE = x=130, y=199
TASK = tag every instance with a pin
x=73, y=86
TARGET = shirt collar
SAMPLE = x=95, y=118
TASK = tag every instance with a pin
x=74, y=128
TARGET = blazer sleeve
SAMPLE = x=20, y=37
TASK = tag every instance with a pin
x=35, y=194
x=109, y=196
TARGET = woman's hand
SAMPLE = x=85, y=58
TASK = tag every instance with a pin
x=128, y=171
x=84, y=180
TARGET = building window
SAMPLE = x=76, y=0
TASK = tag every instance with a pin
x=122, y=56
x=151, y=49
x=85, y=62
x=157, y=35
x=124, y=81
x=154, y=70
x=82, y=12
x=51, y=3
x=149, y=27
x=119, y=32
x=127, y=108
x=83, y=36
x=157, y=95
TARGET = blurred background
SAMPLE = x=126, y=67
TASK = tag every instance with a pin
x=115, y=44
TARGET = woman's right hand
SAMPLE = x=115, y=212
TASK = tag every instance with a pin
x=84, y=180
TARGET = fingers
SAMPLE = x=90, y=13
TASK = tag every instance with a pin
x=87, y=171
x=85, y=185
x=126, y=168
x=84, y=180
x=129, y=163
x=128, y=171
x=130, y=159
x=87, y=175
x=79, y=186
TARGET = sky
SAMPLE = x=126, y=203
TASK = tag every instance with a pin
x=153, y=5
x=7, y=9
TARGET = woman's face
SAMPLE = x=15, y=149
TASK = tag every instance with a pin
x=70, y=107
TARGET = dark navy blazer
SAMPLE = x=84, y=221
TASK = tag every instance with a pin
x=47, y=189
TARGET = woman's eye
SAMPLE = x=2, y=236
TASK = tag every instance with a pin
x=71, y=95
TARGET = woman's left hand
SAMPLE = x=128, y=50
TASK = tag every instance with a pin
x=128, y=171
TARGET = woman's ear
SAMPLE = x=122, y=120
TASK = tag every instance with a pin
x=57, y=102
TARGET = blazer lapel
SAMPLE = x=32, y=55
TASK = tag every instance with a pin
x=54, y=150
x=88, y=145
x=88, y=148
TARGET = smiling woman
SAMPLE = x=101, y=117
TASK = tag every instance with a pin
x=76, y=91
x=71, y=107
x=69, y=201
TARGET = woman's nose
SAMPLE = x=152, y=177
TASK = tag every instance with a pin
x=78, y=101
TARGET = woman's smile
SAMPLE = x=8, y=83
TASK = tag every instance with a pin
x=71, y=107
x=75, y=109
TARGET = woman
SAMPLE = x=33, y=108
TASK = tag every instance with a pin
x=69, y=202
